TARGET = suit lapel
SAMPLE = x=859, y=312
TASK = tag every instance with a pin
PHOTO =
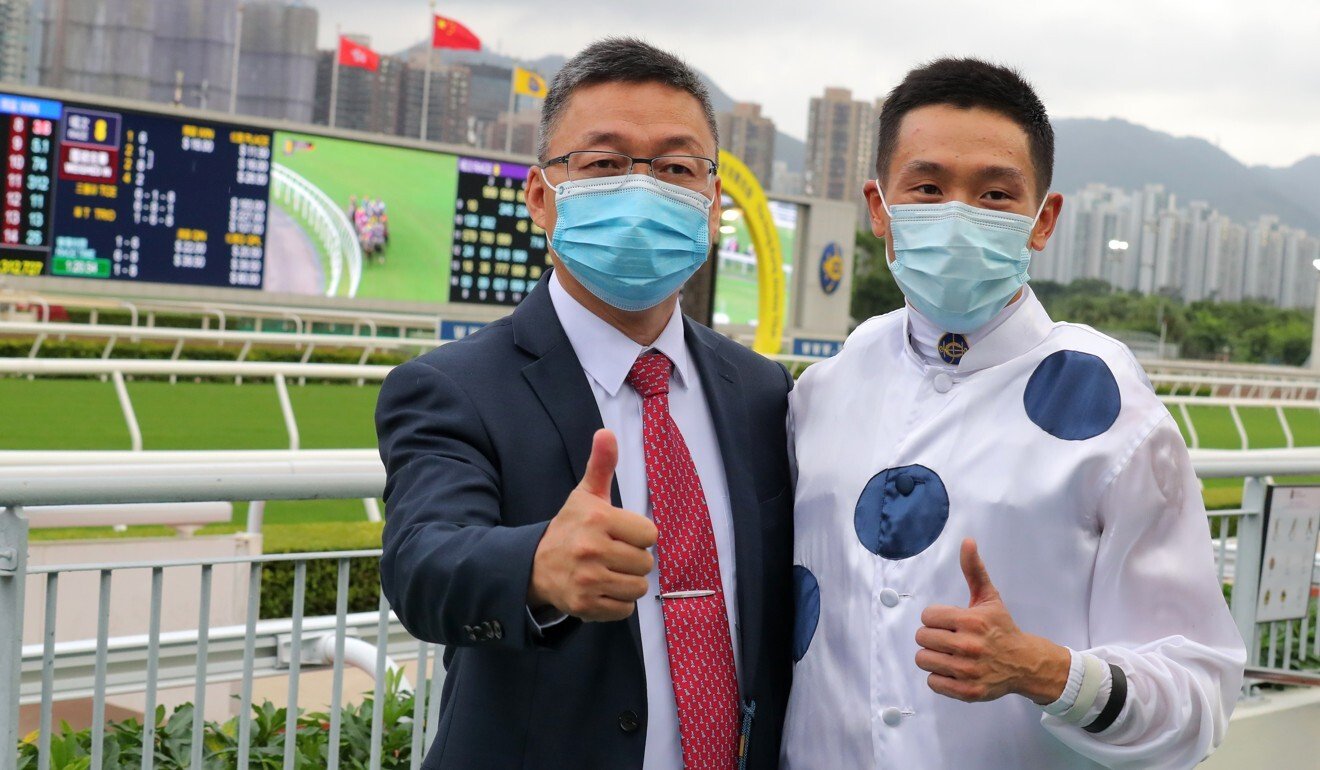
x=559, y=382
x=723, y=389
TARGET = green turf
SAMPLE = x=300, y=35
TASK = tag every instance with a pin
x=736, y=292
x=419, y=190
x=60, y=414
x=84, y=414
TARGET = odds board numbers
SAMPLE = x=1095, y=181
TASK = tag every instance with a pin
x=498, y=255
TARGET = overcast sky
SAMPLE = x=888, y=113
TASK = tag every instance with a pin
x=1244, y=74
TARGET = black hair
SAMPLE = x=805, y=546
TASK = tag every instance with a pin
x=968, y=83
x=620, y=60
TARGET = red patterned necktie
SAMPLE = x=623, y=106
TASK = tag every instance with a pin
x=696, y=626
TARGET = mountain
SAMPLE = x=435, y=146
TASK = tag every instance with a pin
x=1114, y=152
x=1300, y=181
x=1126, y=155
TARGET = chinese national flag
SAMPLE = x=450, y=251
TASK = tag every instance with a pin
x=353, y=54
x=447, y=33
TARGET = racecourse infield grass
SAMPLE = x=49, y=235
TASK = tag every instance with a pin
x=419, y=190
x=47, y=414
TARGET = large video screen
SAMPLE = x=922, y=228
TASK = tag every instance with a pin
x=119, y=195
x=737, y=293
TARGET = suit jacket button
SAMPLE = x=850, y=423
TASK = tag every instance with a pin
x=496, y=630
x=471, y=633
x=628, y=721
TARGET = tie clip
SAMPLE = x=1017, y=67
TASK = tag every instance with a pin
x=684, y=595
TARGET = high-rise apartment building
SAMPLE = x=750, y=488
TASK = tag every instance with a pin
x=101, y=47
x=277, y=60
x=751, y=137
x=192, y=53
x=16, y=24
x=1144, y=241
x=363, y=100
x=840, y=145
x=526, y=130
x=447, y=102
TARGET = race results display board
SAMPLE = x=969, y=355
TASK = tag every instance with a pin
x=28, y=127
x=98, y=192
x=150, y=198
x=498, y=254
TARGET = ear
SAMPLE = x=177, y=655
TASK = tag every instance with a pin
x=1049, y=219
x=879, y=217
x=540, y=199
x=716, y=209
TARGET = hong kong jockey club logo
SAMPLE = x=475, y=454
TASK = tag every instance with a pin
x=831, y=268
x=952, y=348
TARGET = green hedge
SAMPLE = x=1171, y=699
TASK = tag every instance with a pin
x=323, y=575
x=172, y=742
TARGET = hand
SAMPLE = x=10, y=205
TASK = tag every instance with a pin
x=593, y=560
x=979, y=653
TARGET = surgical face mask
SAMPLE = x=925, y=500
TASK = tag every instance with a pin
x=959, y=265
x=630, y=240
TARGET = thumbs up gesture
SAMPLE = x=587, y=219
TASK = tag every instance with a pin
x=593, y=560
x=978, y=653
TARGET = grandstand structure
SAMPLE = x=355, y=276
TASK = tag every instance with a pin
x=98, y=625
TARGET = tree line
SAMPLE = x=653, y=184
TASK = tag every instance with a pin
x=1251, y=331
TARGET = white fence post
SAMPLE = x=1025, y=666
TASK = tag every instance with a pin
x=13, y=577
x=1246, y=567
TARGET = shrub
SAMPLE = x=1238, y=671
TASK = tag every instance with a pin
x=323, y=575
x=172, y=743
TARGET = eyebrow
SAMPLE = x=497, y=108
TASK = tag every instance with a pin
x=986, y=174
x=1002, y=173
x=922, y=167
x=614, y=140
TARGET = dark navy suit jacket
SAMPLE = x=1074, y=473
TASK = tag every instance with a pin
x=483, y=439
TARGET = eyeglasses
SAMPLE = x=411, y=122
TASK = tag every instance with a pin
x=689, y=171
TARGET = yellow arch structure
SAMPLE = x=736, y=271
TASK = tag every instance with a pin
x=741, y=185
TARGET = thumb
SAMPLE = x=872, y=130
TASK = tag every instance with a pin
x=978, y=578
x=600, y=466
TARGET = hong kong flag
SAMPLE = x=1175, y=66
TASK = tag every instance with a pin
x=353, y=54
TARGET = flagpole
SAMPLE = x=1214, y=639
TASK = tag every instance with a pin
x=238, y=48
x=508, y=119
x=426, y=84
x=334, y=76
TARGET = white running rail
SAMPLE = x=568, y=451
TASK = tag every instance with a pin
x=329, y=224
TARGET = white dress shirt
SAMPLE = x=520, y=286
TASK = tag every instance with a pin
x=1048, y=446
x=607, y=355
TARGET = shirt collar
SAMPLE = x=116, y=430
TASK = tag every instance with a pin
x=607, y=354
x=1017, y=329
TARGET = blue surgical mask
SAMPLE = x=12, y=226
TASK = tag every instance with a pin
x=959, y=265
x=631, y=240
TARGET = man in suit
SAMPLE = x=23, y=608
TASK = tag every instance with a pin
x=589, y=501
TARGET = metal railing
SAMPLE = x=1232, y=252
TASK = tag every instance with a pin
x=142, y=312
x=307, y=342
x=105, y=665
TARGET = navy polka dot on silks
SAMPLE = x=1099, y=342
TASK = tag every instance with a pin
x=901, y=511
x=1072, y=396
x=806, y=593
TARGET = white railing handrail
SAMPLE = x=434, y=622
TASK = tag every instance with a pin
x=10, y=458
x=1241, y=401
x=255, y=309
x=345, y=474
x=190, y=334
x=135, y=366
